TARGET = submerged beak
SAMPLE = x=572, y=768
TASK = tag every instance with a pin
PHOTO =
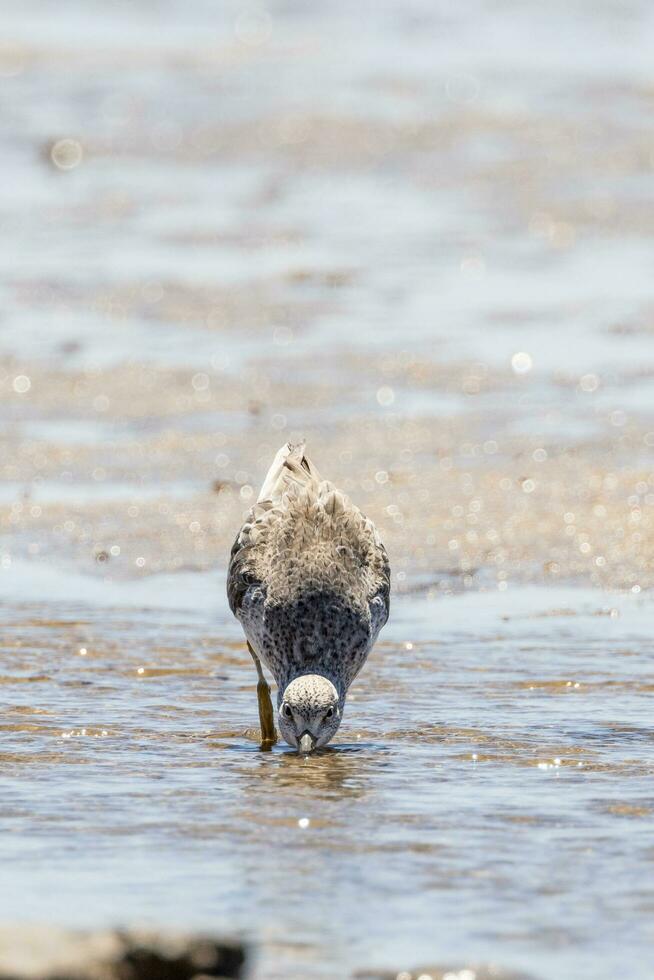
x=307, y=742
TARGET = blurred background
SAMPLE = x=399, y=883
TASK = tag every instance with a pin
x=419, y=235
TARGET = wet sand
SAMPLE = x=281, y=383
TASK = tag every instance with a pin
x=420, y=238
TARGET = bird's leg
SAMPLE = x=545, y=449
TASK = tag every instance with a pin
x=266, y=716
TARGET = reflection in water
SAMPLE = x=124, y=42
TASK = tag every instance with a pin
x=331, y=775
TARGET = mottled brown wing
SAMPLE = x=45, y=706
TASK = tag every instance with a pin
x=240, y=574
x=380, y=600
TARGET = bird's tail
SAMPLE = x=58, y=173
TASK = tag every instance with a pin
x=289, y=467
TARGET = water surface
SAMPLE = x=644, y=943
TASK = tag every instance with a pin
x=489, y=797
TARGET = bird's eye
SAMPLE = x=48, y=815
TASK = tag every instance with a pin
x=329, y=713
x=286, y=711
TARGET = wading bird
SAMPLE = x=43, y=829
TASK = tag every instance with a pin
x=309, y=581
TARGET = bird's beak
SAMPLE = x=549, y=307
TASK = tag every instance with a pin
x=307, y=743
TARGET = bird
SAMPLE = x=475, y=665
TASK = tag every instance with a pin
x=309, y=581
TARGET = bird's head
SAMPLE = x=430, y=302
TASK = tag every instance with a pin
x=309, y=712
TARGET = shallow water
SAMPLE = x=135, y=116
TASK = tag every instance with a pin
x=421, y=237
x=489, y=797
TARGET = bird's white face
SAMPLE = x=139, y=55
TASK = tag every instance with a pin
x=309, y=712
